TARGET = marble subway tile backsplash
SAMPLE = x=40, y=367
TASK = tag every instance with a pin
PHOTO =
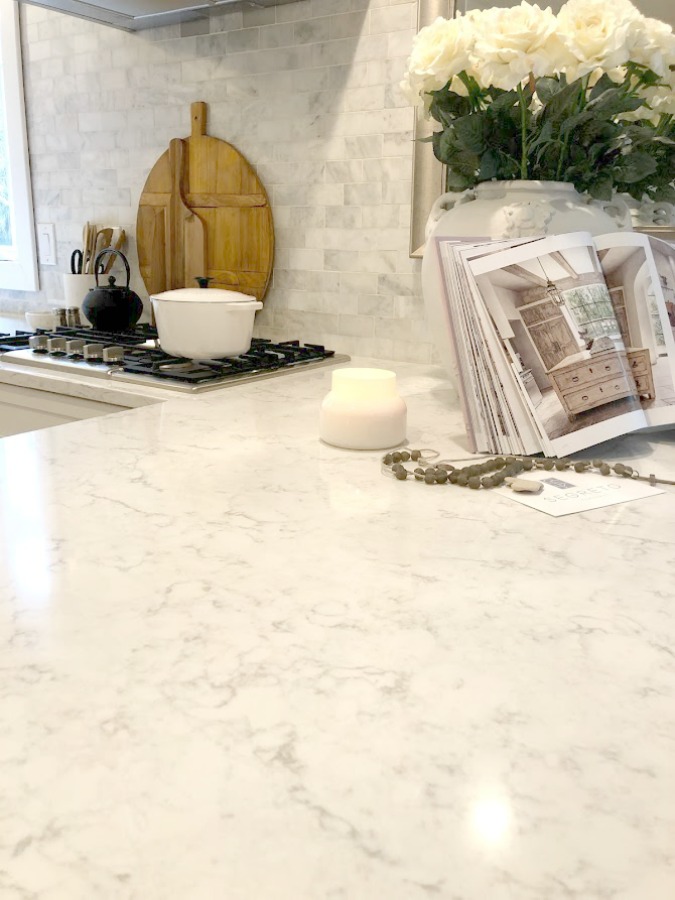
x=307, y=91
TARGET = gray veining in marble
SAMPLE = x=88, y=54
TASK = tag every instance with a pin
x=238, y=663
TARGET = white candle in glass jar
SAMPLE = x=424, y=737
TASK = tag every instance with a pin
x=363, y=410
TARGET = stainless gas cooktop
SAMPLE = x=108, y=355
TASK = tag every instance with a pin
x=135, y=357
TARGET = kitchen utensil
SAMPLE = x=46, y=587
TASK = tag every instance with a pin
x=103, y=239
x=187, y=241
x=119, y=243
x=204, y=323
x=76, y=262
x=211, y=206
x=88, y=235
x=45, y=320
x=73, y=317
x=112, y=307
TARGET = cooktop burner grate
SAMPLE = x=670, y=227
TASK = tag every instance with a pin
x=145, y=361
x=263, y=356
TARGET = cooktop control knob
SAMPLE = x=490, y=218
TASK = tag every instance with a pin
x=113, y=355
x=56, y=346
x=93, y=353
x=38, y=343
x=75, y=348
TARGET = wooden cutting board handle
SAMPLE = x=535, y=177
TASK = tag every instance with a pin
x=198, y=114
x=187, y=235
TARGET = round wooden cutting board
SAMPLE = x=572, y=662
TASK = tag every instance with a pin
x=204, y=212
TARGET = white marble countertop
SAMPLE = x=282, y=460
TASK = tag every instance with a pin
x=238, y=664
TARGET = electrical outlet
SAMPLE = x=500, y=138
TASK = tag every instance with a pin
x=46, y=242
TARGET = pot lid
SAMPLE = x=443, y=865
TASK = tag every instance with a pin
x=204, y=295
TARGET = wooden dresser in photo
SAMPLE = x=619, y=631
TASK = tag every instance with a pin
x=584, y=382
x=641, y=370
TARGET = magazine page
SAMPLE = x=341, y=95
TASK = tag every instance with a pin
x=461, y=361
x=525, y=437
x=552, y=311
x=503, y=435
x=639, y=272
x=480, y=380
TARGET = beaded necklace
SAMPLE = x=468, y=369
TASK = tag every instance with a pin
x=494, y=472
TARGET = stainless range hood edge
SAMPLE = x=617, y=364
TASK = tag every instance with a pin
x=143, y=14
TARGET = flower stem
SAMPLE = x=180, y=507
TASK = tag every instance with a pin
x=562, y=158
x=523, y=133
x=564, y=150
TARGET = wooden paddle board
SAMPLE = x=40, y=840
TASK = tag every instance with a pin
x=204, y=212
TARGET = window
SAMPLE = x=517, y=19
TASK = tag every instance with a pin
x=18, y=264
x=592, y=310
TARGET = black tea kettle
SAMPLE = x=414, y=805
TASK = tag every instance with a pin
x=111, y=307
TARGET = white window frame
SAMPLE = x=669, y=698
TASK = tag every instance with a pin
x=21, y=272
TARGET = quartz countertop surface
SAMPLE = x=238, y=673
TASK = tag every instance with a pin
x=240, y=664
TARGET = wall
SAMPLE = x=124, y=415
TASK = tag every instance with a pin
x=655, y=9
x=307, y=91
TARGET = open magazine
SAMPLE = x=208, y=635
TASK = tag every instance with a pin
x=560, y=342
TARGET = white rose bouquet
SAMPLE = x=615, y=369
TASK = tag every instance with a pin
x=586, y=97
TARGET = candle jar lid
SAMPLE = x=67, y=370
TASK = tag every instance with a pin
x=364, y=384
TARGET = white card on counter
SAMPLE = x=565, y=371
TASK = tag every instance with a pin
x=569, y=492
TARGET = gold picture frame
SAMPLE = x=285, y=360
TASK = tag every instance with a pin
x=665, y=232
x=427, y=174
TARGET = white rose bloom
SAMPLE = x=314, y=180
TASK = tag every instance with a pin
x=597, y=33
x=652, y=44
x=617, y=75
x=440, y=51
x=514, y=42
x=661, y=101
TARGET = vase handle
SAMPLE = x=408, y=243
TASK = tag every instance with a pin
x=617, y=208
x=653, y=212
x=444, y=203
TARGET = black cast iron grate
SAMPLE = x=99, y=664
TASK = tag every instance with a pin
x=264, y=355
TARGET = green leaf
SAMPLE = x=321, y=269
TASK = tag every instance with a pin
x=545, y=135
x=634, y=167
x=446, y=106
x=504, y=100
x=605, y=83
x=456, y=181
x=601, y=188
x=546, y=88
x=614, y=102
x=470, y=132
x=564, y=103
x=665, y=193
x=490, y=165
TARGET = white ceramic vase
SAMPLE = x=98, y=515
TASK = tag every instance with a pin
x=512, y=209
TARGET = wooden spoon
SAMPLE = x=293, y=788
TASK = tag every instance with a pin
x=89, y=249
x=103, y=239
x=119, y=243
x=85, y=247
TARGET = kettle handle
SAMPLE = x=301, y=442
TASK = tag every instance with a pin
x=117, y=253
